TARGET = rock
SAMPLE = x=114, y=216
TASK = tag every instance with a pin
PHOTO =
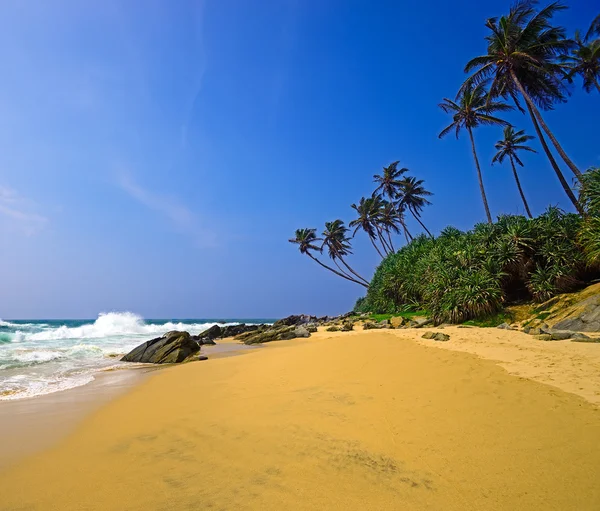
x=441, y=337
x=504, y=326
x=561, y=335
x=233, y=330
x=585, y=338
x=369, y=325
x=384, y=323
x=543, y=337
x=420, y=322
x=270, y=334
x=301, y=331
x=311, y=327
x=428, y=335
x=171, y=348
x=207, y=342
x=526, y=329
x=579, y=335
x=584, y=317
x=212, y=333
x=332, y=328
x=294, y=320
x=347, y=326
x=542, y=329
x=202, y=357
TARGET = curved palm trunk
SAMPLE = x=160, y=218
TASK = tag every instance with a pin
x=481, y=188
x=422, y=224
x=352, y=271
x=376, y=247
x=519, y=187
x=544, y=126
x=390, y=240
x=385, y=246
x=335, y=271
x=557, y=170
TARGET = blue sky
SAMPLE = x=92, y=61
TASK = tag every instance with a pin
x=156, y=156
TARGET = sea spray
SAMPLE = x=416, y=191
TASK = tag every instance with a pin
x=40, y=357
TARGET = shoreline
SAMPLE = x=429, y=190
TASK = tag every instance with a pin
x=358, y=414
x=32, y=424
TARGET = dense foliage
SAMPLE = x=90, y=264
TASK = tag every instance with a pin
x=463, y=275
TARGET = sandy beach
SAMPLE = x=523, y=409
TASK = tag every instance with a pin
x=381, y=420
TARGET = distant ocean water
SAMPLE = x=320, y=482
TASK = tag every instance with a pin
x=45, y=356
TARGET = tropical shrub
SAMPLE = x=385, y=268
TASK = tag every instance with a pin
x=589, y=197
x=464, y=275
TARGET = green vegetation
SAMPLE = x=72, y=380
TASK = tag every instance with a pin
x=462, y=276
x=465, y=275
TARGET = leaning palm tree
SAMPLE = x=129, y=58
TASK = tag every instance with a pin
x=369, y=210
x=389, y=186
x=471, y=109
x=306, y=240
x=338, y=246
x=584, y=61
x=389, y=180
x=523, y=58
x=413, y=196
x=513, y=142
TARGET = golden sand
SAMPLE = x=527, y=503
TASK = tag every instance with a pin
x=352, y=421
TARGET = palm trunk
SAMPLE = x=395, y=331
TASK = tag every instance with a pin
x=352, y=271
x=372, y=238
x=481, y=188
x=519, y=187
x=557, y=170
x=407, y=233
x=544, y=126
x=422, y=224
x=386, y=249
x=341, y=269
x=390, y=240
x=335, y=271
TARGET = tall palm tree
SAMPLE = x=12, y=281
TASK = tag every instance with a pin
x=306, y=240
x=523, y=58
x=413, y=196
x=338, y=245
x=369, y=210
x=513, y=142
x=584, y=61
x=389, y=186
x=471, y=109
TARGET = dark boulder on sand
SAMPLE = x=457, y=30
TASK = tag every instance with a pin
x=171, y=348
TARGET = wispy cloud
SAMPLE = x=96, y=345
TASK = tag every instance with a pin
x=182, y=218
x=17, y=213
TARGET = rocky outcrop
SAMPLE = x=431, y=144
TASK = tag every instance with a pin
x=273, y=333
x=436, y=336
x=584, y=316
x=301, y=319
x=172, y=348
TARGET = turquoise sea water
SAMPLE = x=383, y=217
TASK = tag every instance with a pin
x=44, y=356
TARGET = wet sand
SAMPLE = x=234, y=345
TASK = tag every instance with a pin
x=364, y=420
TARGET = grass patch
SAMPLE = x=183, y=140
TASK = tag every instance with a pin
x=491, y=321
x=382, y=317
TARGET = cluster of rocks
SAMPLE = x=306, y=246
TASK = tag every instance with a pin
x=172, y=348
x=543, y=332
x=436, y=336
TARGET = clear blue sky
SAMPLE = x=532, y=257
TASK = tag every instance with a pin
x=155, y=156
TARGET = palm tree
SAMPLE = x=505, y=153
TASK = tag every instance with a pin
x=369, y=210
x=584, y=60
x=512, y=142
x=594, y=28
x=338, y=245
x=413, y=196
x=471, y=109
x=306, y=240
x=523, y=58
x=389, y=186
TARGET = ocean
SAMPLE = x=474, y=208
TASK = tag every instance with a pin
x=45, y=356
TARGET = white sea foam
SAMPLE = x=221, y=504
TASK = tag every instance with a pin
x=41, y=358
